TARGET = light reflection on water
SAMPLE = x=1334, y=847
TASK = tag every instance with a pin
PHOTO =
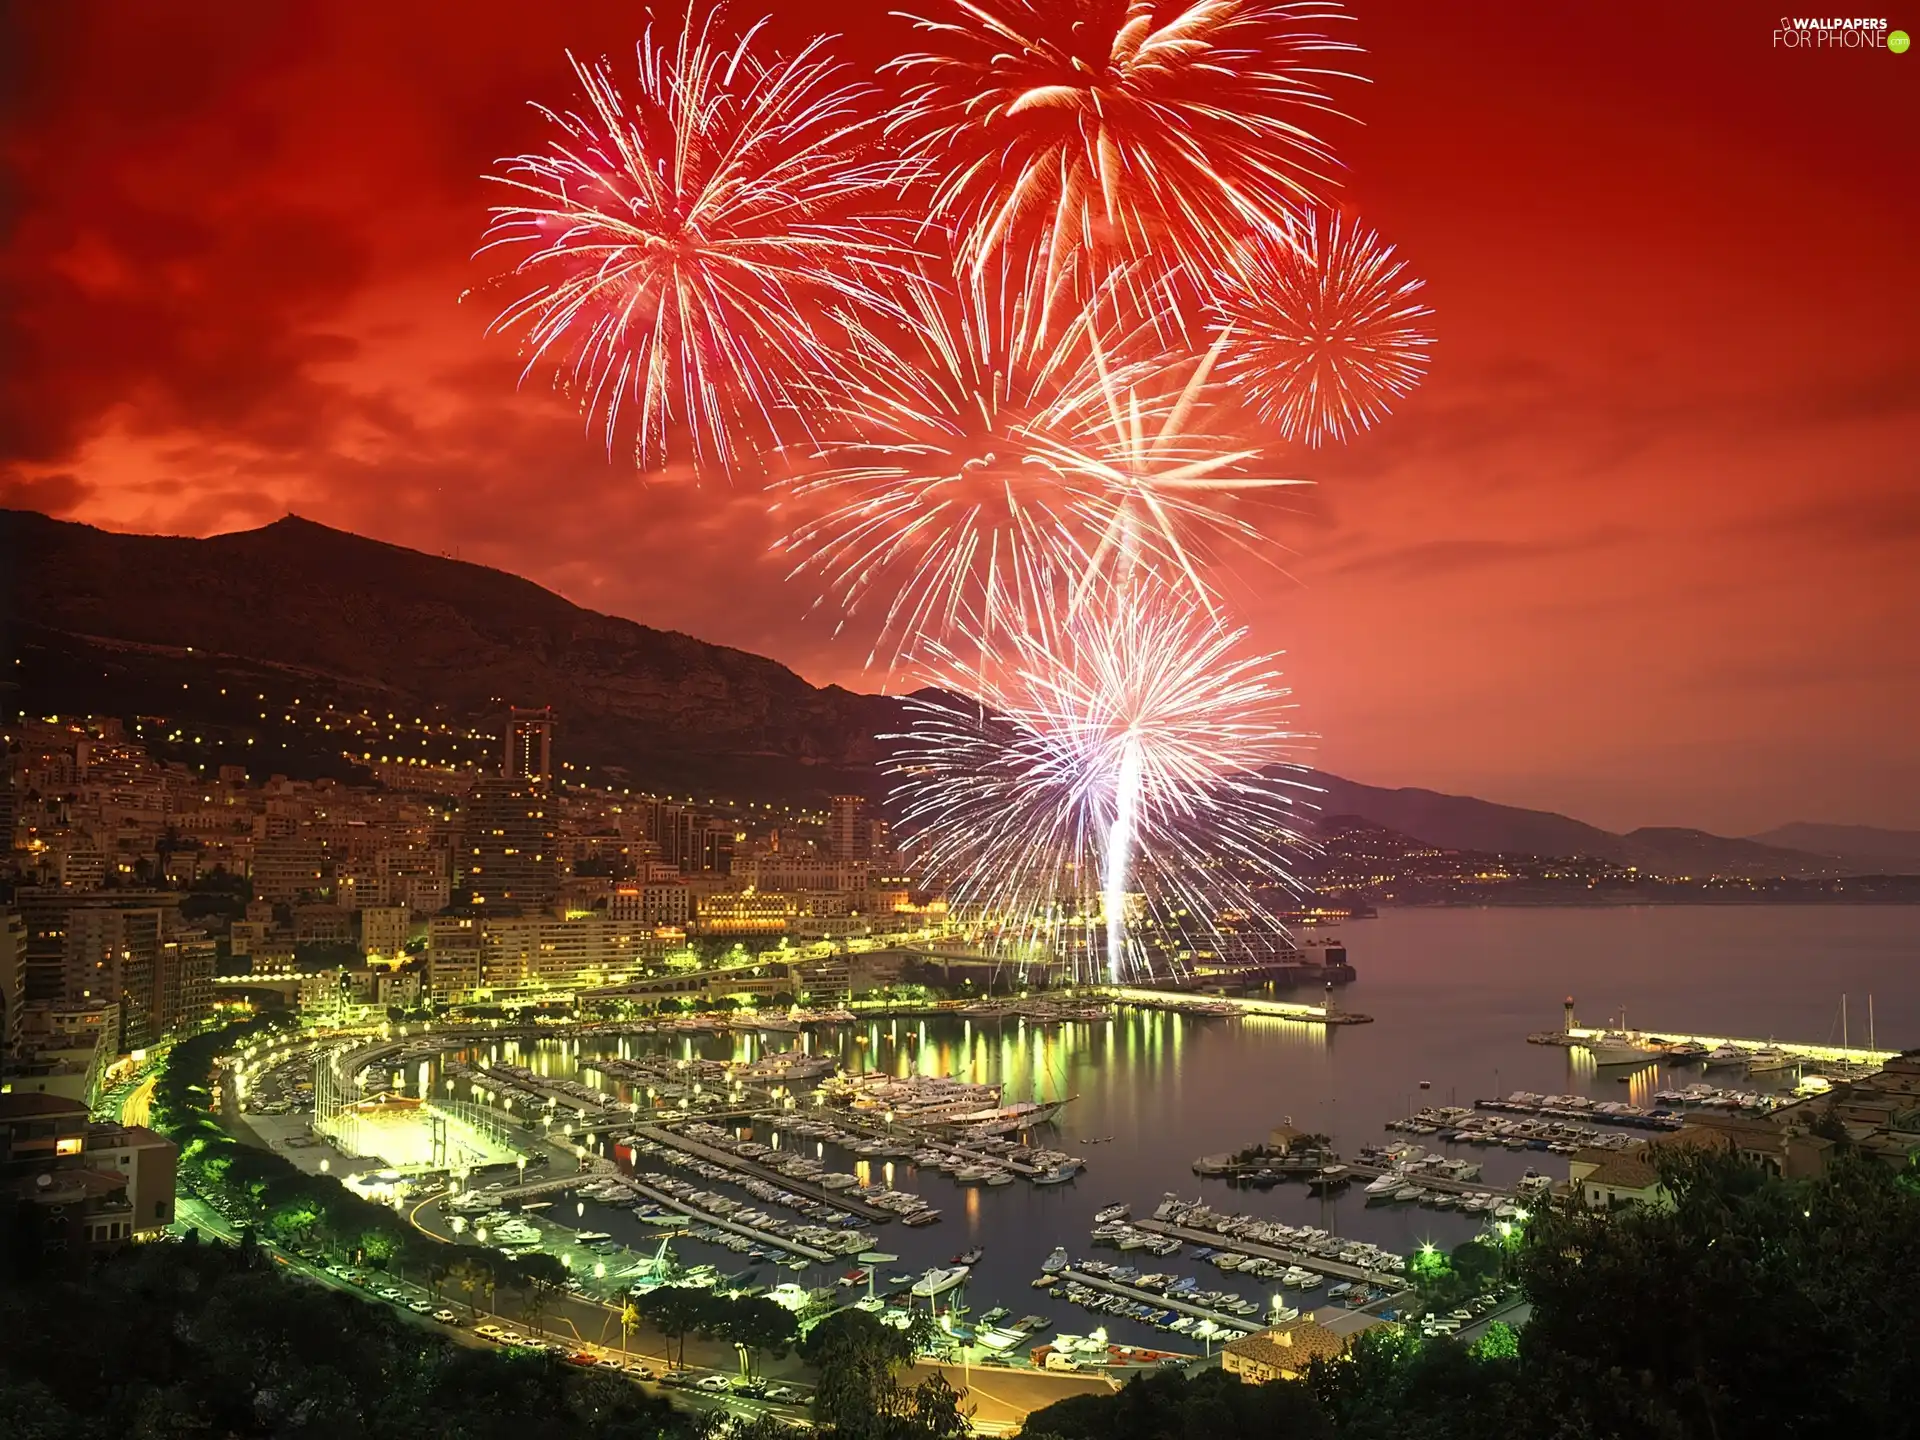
x=1454, y=994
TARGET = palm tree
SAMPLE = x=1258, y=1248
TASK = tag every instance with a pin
x=629, y=1322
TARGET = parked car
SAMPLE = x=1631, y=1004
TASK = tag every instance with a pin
x=420, y=1307
x=782, y=1392
x=446, y=1317
x=639, y=1372
x=713, y=1382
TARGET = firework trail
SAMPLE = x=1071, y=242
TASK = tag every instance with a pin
x=983, y=480
x=1132, y=750
x=678, y=247
x=1062, y=131
x=1325, y=330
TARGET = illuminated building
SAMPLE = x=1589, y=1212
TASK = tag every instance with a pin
x=848, y=836
x=508, y=844
x=529, y=746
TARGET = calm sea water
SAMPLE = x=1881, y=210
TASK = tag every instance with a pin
x=1453, y=993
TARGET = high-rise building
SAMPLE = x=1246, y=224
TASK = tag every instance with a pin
x=848, y=835
x=508, y=844
x=184, y=991
x=529, y=745
x=13, y=977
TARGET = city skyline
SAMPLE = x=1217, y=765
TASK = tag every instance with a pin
x=1633, y=554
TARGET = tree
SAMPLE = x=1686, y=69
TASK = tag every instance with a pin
x=629, y=1322
x=676, y=1311
x=474, y=1279
x=755, y=1324
x=939, y=1411
x=856, y=1356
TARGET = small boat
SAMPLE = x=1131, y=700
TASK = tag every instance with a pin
x=1112, y=1213
x=1056, y=1262
x=969, y=1257
x=1385, y=1184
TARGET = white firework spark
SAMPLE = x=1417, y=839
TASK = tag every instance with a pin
x=1135, y=752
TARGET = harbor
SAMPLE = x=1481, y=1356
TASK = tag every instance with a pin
x=1153, y=1087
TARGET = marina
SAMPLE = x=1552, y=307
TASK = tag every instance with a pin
x=1167, y=1084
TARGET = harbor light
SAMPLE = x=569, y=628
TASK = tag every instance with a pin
x=325, y=1166
x=599, y=1269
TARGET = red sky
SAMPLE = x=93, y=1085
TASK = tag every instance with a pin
x=1644, y=549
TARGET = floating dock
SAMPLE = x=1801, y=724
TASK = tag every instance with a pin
x=1306, y=1260
x=1161, y=1301
x=740, y=1165
x=759, y=1237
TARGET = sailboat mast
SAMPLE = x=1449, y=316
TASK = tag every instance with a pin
x=1843, y=1021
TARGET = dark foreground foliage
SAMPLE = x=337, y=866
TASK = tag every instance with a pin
x=1754, y=1307
x=184, y=1339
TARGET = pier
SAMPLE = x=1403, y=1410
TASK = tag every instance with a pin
x=759, y=1237
x=923, y=1139
x=1580, y=1036
x=1160, y=1301
x=726, y=1160
x=1306, y=1260
x=1278, y=1009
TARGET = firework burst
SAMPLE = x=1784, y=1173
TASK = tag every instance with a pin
x=680, y=246
x=982, y=482
x=1325, y=331
x=1053, y=130
x=1110, y=796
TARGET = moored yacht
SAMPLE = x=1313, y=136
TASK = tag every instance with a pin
x=939, y=1280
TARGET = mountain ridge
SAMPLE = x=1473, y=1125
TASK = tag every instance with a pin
x=113, y=621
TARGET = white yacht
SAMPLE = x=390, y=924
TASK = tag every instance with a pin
x=939, y=1280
